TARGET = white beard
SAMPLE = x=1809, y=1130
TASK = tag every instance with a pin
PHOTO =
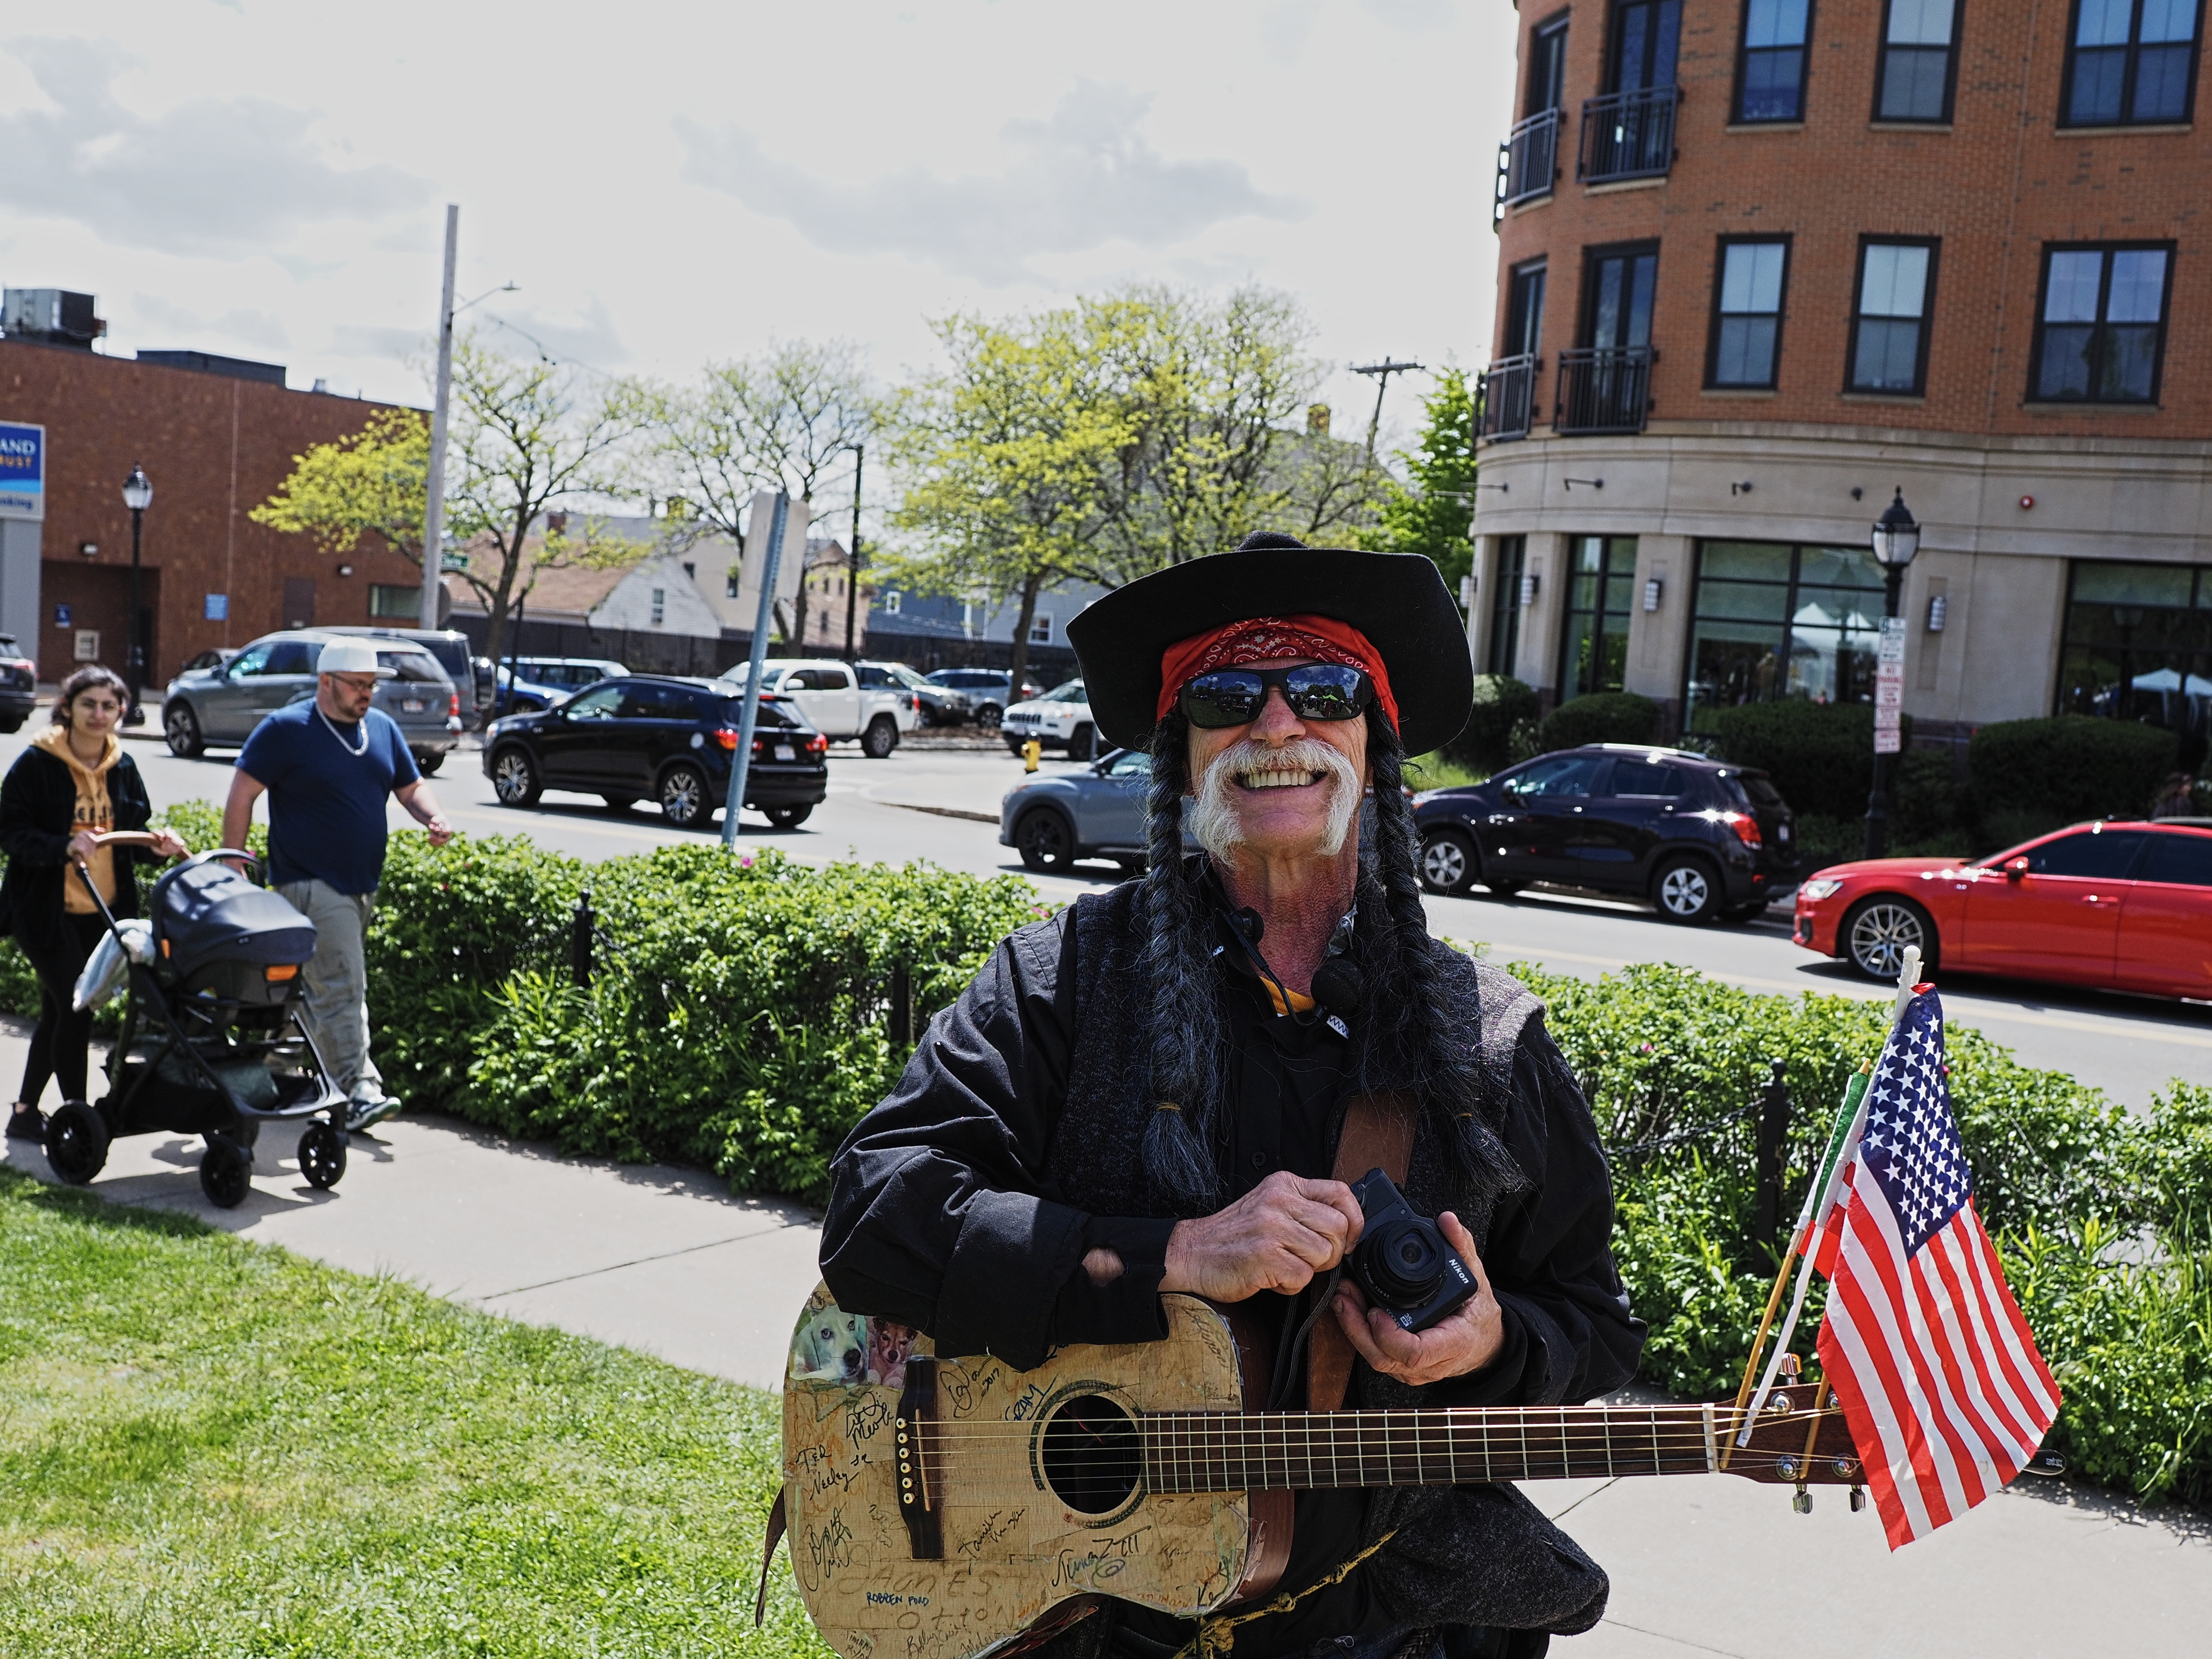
x=1213, y=820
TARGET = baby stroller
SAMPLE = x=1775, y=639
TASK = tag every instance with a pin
x=211, y=1043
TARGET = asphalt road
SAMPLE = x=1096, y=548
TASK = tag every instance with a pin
x=907, y=806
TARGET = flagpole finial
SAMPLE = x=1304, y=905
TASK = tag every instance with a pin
x=1908, y=975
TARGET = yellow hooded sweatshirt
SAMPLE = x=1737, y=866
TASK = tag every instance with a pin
x=94, y=812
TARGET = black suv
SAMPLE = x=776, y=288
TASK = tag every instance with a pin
x=1698, y=837
x=649, y=737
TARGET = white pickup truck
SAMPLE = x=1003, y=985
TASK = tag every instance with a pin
x=836, y=704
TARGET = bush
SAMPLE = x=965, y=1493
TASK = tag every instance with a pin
x=2034, y=775
x=1501, y=704
x=1820, y=755
x=1601, y=717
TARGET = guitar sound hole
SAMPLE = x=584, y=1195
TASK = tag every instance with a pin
x=1093, y=1456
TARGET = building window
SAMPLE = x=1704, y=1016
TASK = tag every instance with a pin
x=1524, y=310
x=1747, y=315
x=1041, y=631
x=659, y=606
x=1919, y=55
x=384, y=599
x=1889, y=328
x=1769, y=75
x=1600, y=581
x=731, y=590
x=1548, y=68
x=1770, y=620
x=2101, y=327
x=891, y=603
x=1503, y=653
x=2129, y=61
x=2137, y=646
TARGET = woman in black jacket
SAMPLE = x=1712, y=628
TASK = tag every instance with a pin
x=72, y=784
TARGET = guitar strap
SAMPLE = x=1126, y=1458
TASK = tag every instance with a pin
x=1378, y=1134
x=776, y=1522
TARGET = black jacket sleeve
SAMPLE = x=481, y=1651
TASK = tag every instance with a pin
x=35, y=814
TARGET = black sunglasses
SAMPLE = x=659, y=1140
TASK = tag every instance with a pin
x=1315, y=691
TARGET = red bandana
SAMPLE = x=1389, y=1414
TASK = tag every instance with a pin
x=1270, y=639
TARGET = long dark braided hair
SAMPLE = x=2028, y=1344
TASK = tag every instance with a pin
x=1413, y=1037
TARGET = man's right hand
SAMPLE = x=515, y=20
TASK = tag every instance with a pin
x=1276, y=1237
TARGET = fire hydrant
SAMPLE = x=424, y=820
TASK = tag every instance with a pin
x=1030, y=751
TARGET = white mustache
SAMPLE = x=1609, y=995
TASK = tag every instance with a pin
x=1254, y=765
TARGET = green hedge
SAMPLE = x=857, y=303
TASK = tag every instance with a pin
x=2034, y=775
x=1504, y=708
x=1820, y=755
x=1601, y=717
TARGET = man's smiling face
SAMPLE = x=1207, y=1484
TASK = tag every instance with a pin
x=1277, y=794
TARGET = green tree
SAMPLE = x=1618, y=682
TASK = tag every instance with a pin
x=367, y=486
x=1432, y=512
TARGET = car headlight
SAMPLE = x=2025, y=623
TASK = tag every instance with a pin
x=1816, y=891
x=1423, y=797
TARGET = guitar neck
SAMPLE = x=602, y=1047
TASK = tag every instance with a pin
x=1239, y=1451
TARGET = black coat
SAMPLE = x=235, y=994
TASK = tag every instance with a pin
x=38, y=810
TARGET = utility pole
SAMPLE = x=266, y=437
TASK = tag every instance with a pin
x=853, y=558
x=1382, y=372
x=433, y=516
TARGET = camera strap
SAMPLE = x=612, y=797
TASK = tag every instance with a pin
x=1377, y=1135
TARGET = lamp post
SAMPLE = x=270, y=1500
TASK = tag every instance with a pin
x=137, y=495
x=852, y=559
x=1896, y=539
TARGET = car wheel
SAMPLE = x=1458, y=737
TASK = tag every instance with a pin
x=76, y=1142
x=1045, y=841
x=1687, y=891
x=788, y=818
x=1082, y=742
x=1449, y=862
x=514, y=778
x=880, y=738
x=10, y=724
x=684, y=799
x=988, y=714
x=182, y=728
x=619, y=803
x=1876, y=932
x=428, y=765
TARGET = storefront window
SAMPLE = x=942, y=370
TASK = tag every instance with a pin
x=1505, y=605
x=1773, y=620
x=2138, y=646
x=1600, y=581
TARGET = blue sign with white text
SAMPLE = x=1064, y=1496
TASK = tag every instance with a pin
x=22, y=470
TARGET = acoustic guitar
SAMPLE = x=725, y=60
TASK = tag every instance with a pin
x=944, y=1508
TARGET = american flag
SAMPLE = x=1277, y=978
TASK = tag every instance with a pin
x=1939, y=1378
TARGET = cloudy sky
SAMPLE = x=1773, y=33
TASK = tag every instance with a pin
x=668, y=182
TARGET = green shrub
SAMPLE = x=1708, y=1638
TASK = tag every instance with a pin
x=1601, y=717
x=2034, y=775
x=1501, y=704
x=1820, y=755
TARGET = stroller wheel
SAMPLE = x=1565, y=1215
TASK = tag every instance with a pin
x=322, y=1155
x=226, y=1172
x=76, y=1143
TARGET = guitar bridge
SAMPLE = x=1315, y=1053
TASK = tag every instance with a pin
x=917, y=1409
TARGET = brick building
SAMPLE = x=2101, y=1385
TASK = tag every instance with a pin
x=1762, y=263
x=217, y=438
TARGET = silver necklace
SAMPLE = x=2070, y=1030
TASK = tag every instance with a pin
x=356, y=751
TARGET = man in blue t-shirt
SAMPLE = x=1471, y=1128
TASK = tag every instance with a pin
x=327, y=766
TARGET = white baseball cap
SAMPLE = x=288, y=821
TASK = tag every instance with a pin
x=351, y=656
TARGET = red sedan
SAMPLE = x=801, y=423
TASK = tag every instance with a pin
x=2123, y=906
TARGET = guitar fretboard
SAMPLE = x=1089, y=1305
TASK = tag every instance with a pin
x=1242, y=1451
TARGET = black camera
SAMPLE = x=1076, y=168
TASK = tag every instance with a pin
x=1401, y=1260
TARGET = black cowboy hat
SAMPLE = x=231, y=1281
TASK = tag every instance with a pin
x=1397, y=599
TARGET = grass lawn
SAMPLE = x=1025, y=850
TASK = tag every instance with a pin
x=211, y=1448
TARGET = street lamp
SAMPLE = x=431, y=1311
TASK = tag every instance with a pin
x=852, y=559
x=1896, y=539
x=137, y=495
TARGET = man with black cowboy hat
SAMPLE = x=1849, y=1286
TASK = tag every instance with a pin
x=1162, y=1087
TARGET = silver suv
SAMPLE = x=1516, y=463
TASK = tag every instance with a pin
x=222, y=705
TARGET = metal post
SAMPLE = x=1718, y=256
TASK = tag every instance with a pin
x=514, y=654
x=136, y=715
x=852, y=559
x=579, y=942
x=434, y=513
x=1877, y=813
x=1772, y=1147
x=741, y=762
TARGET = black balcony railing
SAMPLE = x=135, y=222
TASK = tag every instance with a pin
x=1628, y=135
x=1603, y=390
x=1508, y=394
x=1528, y=161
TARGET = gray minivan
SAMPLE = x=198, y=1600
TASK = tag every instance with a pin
x=448, y=645
x=220, y=706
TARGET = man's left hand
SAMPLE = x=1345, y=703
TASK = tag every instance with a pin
x=1465, y=1340
x=439, y=830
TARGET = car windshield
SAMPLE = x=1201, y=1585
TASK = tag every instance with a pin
x=1072, y=692
x=772, y=713
x=411, y=666
x=907, y=676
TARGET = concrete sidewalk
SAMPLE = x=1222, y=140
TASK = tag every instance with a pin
x=664, y=1261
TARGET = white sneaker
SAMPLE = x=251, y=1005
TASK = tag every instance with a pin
x=369, y=1110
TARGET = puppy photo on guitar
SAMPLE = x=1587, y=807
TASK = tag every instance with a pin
x=1231, y=1246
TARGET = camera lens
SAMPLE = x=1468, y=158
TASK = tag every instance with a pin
x=1404, y=1262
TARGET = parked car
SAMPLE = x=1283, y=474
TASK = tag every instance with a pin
x=449, y=646
x=987, y=692
x=937, y=706
x=2122, y=905
x=1054, y=819
x=222, y=705
x=210, y=658
x=1698, y=837
x=541, y=682
x=19, y=684
x=657, y=738
x=837, y=702
x=1060, y=719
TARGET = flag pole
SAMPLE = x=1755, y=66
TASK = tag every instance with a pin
x=1818, y=1203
